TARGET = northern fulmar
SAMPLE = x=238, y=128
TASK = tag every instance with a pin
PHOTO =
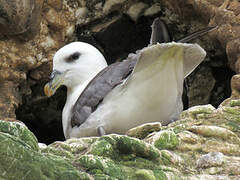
x=146, y=87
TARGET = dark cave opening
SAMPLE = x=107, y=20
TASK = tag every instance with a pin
x=42, y=115
x=222, y=88
x=222, y=74
x=118, y=39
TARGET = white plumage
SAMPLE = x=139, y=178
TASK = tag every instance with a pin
x=152, y=92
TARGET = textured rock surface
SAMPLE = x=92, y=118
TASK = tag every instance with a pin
x=21, y=158
x=20, y=17
x=116, y=28
x=203, y=144
x=225, y=14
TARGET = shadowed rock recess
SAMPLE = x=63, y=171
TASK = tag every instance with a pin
x=203, y=144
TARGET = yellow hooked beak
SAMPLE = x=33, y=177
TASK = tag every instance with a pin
x=56, y=80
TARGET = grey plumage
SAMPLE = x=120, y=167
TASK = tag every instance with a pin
x=98, y=88
x=196, y=34
x=160, y=33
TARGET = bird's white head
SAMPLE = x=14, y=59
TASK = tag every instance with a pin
x=74, y=64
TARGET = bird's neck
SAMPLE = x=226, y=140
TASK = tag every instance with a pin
x=73, y=94
x=80, y=79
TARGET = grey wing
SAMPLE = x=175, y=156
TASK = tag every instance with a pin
x=99, y=87
x=196, y=34
x=160, y=33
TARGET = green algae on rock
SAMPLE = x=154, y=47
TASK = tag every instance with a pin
x=166, y=140
x=19, y=131
x=21, y=159
x=203, y=144
x=150, y=175
x=107, y=157
x=200, y=145
x=144, y=130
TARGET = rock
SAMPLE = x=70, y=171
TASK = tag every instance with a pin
x=48, y=44
x=208, y=131
x=207, y=146
x=21, y=158
x=235, y=86
x=142, y=131
x=57, y=4
x=19, y=57
x=20, y=132
x=154, y=9
x=9, y=100
x=146, y=175
x=81, y=12
x=26, y=60
x=198, y=112
x=164, y=140
x=42, y=146
x=111, y=5
x=136, y=10
x=211, y=159
x=20, y=17
x=226, y=17
x=235, y=7
x=27, y=45
x=54, y=19
x=188, y=137
x=233, y=49
x=201, y=83
x=108, y=33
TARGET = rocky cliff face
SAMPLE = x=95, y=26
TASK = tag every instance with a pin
x=32, y=31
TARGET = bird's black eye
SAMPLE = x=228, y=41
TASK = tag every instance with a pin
x=73, y=57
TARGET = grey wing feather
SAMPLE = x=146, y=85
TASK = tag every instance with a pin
x=99, y=87
x=160, y=33
x=196, y=34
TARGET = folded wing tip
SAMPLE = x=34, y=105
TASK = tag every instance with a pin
x=196, y=51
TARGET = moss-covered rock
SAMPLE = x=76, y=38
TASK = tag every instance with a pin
x=203, y=144
x=144, y=130
x=21, y=159
x=107, y=157
x=166, y=140
x=20, y=132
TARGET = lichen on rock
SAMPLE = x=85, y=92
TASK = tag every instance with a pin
x=203, y=144
x=26, y=60
x=21, y=159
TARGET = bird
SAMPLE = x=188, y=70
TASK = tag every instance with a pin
x=146, y=87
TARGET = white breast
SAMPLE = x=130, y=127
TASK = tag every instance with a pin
x=72, y=96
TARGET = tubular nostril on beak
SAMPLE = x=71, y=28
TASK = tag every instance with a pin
x=53, y=74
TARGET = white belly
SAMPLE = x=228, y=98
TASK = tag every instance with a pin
x=140, y=100
x=152, y=92
x=143, y=103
